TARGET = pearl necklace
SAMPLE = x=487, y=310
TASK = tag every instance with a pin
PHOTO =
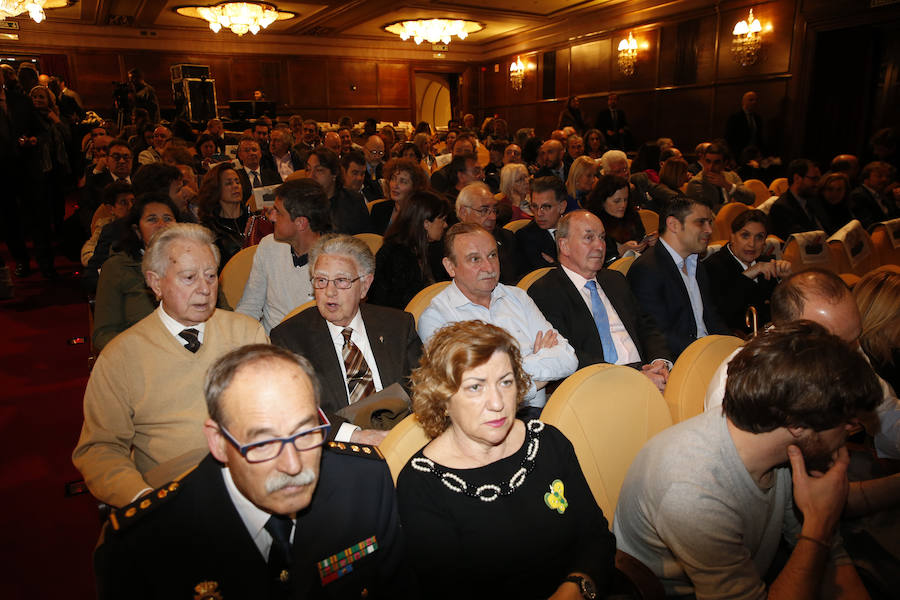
x=489, y=491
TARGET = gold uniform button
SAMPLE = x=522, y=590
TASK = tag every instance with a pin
x=284, y=576
x=364, y=593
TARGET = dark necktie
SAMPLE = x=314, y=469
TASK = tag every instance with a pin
x=192, y=337
x=359, y=377
x=256, y=182
x=279, y=560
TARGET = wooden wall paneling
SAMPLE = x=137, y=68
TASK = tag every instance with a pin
x=274, y=82
x=773, y=105
x=95, y=73
x=547, y=117
x=307, y=82
x=519, y=116
x=470, y=92
x=641, y=113
x=590, y=67
x=687, y=52
x=683, y=115
x=496, y=83
x=563, y=72
x=645, y=69
x=155, y=67
x=345, y=75
x=775, y=55
x=247, y=76
x=590, y=107
x=393, y=84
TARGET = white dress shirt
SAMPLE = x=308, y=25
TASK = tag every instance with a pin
x=175, y=327
x=625, y=348
x=690, y=283
x=253, y=517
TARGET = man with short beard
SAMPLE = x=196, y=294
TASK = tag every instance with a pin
x=268, y=513
x=706, y=503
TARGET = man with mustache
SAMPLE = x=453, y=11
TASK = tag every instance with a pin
x=268, y=513
x=671, y=283
x=471, y=259
x=706, y=503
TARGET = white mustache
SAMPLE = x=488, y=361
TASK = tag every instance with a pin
x=278, y=481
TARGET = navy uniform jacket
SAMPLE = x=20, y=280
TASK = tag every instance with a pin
x=564, y=307
x=194, y=536
x=661, y=292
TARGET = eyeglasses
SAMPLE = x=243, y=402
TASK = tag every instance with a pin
x=375, y=152
x=541, y=207
x=266, y=450
x=341, y=283
x=484, y=210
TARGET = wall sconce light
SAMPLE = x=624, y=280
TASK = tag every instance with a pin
x=747, y=40
x=628, y=48
x=517, y=74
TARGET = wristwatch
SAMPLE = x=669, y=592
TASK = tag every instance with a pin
x=584, y=584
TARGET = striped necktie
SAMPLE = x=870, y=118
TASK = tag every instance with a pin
x=359, y=376
x=192, y=337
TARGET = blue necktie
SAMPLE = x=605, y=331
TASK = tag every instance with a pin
x=602, y=321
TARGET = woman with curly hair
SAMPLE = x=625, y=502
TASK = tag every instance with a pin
x=494, y=507
x=402, y=177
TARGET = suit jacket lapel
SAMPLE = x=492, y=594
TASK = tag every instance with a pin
x=331, y=368
x=380, y=350
x=672, y=270
x=581, y=314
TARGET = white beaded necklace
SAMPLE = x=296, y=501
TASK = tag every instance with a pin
x=489, y=491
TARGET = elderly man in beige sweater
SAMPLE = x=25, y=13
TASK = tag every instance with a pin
x=144, y=406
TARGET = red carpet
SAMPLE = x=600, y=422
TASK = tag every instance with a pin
x=48, y=537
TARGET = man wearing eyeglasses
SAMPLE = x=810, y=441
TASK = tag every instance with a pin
x=268, y=513
x=373, y=150
x=476, y=204
x=537, y=240
x=162, y=135
x=111, y=164
x=356, y=349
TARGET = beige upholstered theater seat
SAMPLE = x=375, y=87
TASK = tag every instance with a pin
x=722, y=222
x=235, y=274
x=779, y=186
x=650, y=220
x=402, y=442
x=530, y=278
x=686, y=388
x=607, y=412
x=372, y=240
x=886, y=241
x=516, y=225
x=622, y=264
x=421, y=300
x=759, y=189
x=299, y=309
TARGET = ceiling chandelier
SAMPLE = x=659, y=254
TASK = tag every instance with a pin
x=34, y=8
x=433, y=30
x=239, y=17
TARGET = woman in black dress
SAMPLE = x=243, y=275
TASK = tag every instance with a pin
x=494, y=507
x=401, y=264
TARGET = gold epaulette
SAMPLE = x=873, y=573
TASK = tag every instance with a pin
x=363, y=450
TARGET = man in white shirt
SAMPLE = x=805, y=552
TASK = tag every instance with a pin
x=279, y=281
x=357, y=349
x=471, y=260
x=162, y=136
x=268, y=513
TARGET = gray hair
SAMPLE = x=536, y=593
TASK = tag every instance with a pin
x=156, y=257
x=611, y=156
x=470, y=193
x=343, y=245
x=285, y=133
x=222, y=372
x=508, y=175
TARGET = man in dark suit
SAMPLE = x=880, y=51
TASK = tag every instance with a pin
x=341, y=328
x=114, y=165
x=745, y=127
x=537, y=241
x=669, y=281
x=373, y=150
x=741, y=277
x=868, y=202
x=251, y=173
x=794, y=212
x=277, y=518
x=476, y=204
x=624, y=334
x=285, y=159
x=552, y=153
x=613, y=123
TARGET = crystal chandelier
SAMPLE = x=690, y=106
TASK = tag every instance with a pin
x=34, y=8
x=517, y=74
x=628, y=49
x=239, y=17
x=747, y=40
x=433, y=30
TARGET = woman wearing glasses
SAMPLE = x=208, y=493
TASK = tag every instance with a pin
x=494, y=507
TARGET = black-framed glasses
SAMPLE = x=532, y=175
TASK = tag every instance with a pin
x=267, y=450
x=341, y=283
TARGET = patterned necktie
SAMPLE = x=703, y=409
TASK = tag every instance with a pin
x=601, y=319
x=256, y=182
x=279, y=560
x=359, y=377
x=192, y=337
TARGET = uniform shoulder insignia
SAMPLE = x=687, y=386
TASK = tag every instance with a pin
x=124, y=517
x=349, y=448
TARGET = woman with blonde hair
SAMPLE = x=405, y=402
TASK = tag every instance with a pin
x=494, y=507
x=878, y=298
x=582, y=177
x=515, y=190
